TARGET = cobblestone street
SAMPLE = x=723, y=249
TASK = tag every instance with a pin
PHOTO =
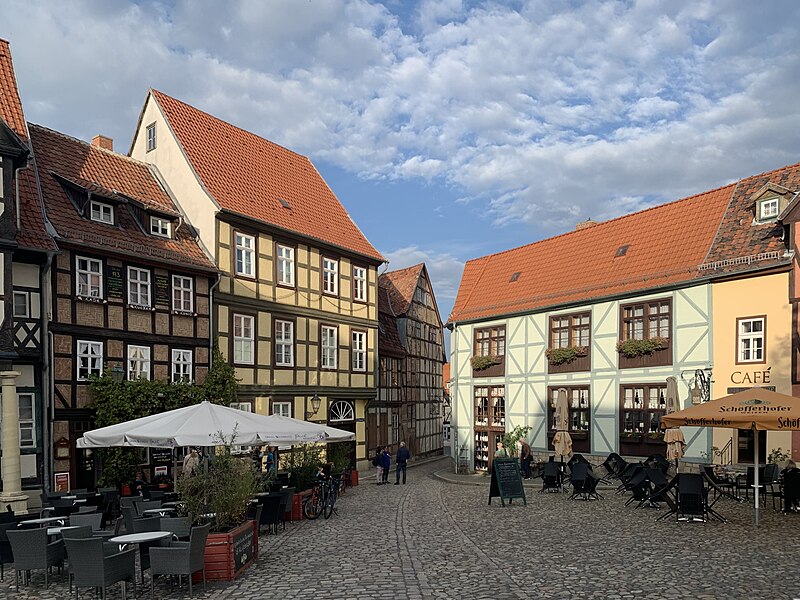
x=435, y=539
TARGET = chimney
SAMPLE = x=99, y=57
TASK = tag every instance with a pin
x=104, y=142
x=585, y=224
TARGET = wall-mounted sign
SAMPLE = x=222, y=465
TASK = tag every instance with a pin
x=62, y=482
x=116, y=282
x=751, y=377
x=162, y=289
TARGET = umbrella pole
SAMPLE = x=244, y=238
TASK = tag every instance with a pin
x=755, y=470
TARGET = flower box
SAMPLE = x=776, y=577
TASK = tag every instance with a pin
x=228, y=554
x=296, y=512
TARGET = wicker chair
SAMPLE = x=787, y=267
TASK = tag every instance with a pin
x=181, y=558
x=180, y=527
x=147, y=505
x=6, y=557
x=93, y=520
x=286, y=504
x=31, y=551
x=92, y=567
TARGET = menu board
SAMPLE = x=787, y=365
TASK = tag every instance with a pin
x=116, y=283
x=506, y=481
x=162, y=289
x=243, y=549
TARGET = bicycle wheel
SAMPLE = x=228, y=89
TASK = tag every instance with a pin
x=313, y=506
x=331, y=500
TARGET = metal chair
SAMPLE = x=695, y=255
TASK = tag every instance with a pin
x=551, y=477
x=91, y=567
x=180, y=558
x=32, y=551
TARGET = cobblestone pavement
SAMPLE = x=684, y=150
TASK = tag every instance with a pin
x=434, y=539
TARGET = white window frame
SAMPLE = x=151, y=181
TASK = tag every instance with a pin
x=360, y=284
x=246, y=407
x=341, y=411
x=284, y=343
x=160, y=226
x=245, y=254
x=138, y=362
x=747, y=341
x=150, y=137
x=285, y=258
x=243, y=339
x=330, y=276
x=92, y=353
x=105, y=212
x=762, y=216
x=88, y=289
x=182, y=293
x=27, y=424
x=139, y=286
x=359, y=351
x=27, y=297
x=182, y=365
x=282, y=408
x=329, y=346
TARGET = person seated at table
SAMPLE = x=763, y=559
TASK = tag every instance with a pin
x=325, y=470
x=139, y=483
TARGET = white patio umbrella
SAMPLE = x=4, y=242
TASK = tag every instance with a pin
x=201, y=425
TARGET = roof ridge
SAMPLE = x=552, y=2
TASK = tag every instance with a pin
x=90, y=145
x=416, y=266
x=229, y=124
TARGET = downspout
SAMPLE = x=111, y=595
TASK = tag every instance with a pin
x=48, y=381
x=16, y=190
x=211, y=335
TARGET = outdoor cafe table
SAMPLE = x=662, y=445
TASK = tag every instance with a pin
x=58, y=530
x=161, y=512
x=139, y=538
x=45, y=520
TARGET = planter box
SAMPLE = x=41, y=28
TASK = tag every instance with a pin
x=296, y=512
x=229, y=554
x=353, y=477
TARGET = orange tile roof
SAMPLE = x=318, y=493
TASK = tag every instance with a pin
x=10, y=104
x=446, y=376
x=396, y=289
x=112, y=174
x=249, y=175
x=388, y=337
x=665, y=246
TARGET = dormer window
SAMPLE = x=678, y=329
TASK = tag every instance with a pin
x=102, y=213
x=768, y=209
x=160, y=227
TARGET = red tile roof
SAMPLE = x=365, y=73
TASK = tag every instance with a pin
x=396, y=289
x=446, y=376
x=249, y=175
x=665, y=246
x=388, y=337
x=118, y=177
x=10, y=104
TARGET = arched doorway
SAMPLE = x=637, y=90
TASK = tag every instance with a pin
x=342, y=415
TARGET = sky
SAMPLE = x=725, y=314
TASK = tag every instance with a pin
x=448, y=129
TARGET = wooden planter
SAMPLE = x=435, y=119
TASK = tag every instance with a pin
x=353, y=477
x=229, y=554
x=296, y=512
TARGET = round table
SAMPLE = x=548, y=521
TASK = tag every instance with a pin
x=45, y=520
x=162, y=512
x=58, y=530
x=139, y=538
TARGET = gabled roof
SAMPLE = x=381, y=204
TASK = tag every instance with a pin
x=64, y=160
x=388, y=337
x=10, y=104
x=657, y=247
x=396, y=289
x=251, y=176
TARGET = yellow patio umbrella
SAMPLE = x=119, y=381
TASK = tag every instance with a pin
x=562, y=441
x=754, y=408
x=673, y=436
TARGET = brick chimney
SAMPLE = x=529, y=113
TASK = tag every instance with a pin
x=585, y=224
x=104, y=142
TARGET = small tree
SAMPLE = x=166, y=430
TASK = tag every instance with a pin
x=303, y=463
x=221, y=385
x=512, y=438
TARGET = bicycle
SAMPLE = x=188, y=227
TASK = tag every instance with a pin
x=330, y=500
x=315, y=502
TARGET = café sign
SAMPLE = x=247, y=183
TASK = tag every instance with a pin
x=751, y=377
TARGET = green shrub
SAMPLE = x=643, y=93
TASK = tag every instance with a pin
x=633, y=348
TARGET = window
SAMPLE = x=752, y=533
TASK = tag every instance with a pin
x=90, y=277
x=160, y=227
x=284, y=343
x=182, y=293
x=642, y=408
x=138, y=362
x=243, y=340
x=101, y=212
x=182, y=365
x=578, y=399
x=341, y=410
x=328, y=346
x=490, y=423
x=285, y=265
x=330, y=276
x=359, y=351
x=490, y=341
x=750, y=333
x=245, y=255
x=246, y=407
x=21, y=304
x=570, y=330
x=768, y=209
x=138, y=286
x=151, y=137
x=647, y=320
x=27, y=420
x=90, y=359
x=283, y=409
x=359, y=284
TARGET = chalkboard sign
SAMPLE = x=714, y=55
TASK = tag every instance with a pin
x=243, y=550
x=161, y=456
x=506, y=481
x=162, y=289
x=116, y=283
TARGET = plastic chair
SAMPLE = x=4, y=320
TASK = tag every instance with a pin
x=691, y=504
x=32, y=551
x=551, y=477
x=91, y=567
x=180, y=558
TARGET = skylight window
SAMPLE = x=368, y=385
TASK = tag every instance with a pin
x=515, y=276
x=622, y=250
x=284, y=203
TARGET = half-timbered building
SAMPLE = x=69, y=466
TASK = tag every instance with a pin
x=130, y=285
x=410, y=404
x=296, y=308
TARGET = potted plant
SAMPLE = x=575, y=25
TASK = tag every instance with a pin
x=655, y=436
x=560, y=356
x=303, y=464
x=632, y=348
x=224, y=487
x=479, y=363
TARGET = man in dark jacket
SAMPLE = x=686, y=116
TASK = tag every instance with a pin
x=402, y=462
x=386, y=462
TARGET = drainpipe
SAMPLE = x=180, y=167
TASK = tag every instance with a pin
x=16, y=199
x=211, y=336
x=48, y=382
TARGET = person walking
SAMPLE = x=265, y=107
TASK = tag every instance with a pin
x=377, y=462
x=525, y=458
x=402, y=462
x=386, y=463
x=190, y=462
x=501, y=451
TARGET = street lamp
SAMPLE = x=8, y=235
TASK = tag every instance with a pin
x=316, y=401
x=118, y=373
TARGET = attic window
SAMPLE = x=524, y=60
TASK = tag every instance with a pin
x=151, y=137
x=103, y=213
x=515, y=276
x=284, y=203
x=160, y=227
x=622, y=250
x=768, y=209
